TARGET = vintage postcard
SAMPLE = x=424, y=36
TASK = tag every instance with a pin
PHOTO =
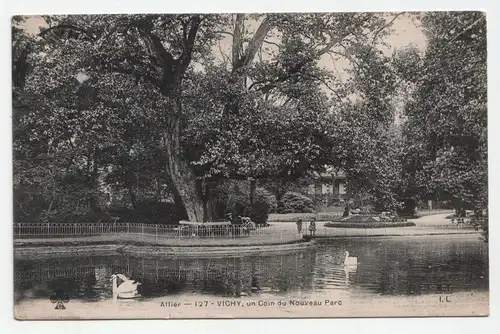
x=266, y=165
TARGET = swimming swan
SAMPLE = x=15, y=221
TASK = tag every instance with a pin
x=127, y=289
x=350, y=260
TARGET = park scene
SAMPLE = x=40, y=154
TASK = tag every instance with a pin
x=249, y=156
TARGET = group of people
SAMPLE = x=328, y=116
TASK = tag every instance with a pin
x=312, y=226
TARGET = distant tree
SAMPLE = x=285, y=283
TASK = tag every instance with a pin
x=371, y=141
x=445, y=132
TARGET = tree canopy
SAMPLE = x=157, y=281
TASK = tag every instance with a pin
x=166, y=107
x=446, y=127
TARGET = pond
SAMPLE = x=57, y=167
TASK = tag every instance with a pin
x=396, y=266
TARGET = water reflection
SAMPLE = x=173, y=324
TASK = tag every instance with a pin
x=389, y=267
x=88, y=278
x=408, y=266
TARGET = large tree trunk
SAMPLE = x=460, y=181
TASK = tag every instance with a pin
x=253, y=185
x=131, y=194
x=186, y=186
x=130, y=187
x=94, y=183
x=157, y=191
x=185, y=183
x=208, y=203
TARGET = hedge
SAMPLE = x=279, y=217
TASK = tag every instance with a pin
x=293, y=217
x=369, y=224
x=292, y=202
x=372, y=218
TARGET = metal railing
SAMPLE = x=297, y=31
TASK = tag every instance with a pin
x=188, y=234
x=68, y=230
x=446, y=226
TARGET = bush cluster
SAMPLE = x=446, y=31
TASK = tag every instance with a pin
x=234, y=197
x=368, y=224
x=292, y=202
x=150, y=212
x=372, y=219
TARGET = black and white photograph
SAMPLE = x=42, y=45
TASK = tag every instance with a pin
x=250, y=165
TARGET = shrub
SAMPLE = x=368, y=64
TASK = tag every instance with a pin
x=259, y=211
x=293, y=217
x=325, y=201
x=234, y=197
x=292, y=202
x=372, y=219
x=150, y=212
x=79, y=215
x=369, y=224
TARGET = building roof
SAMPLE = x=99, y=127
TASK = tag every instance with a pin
x=329, y=176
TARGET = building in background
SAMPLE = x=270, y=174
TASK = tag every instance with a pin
x=328, y=189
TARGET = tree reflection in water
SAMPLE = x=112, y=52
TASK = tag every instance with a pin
x=391, y=266
x=88, y=278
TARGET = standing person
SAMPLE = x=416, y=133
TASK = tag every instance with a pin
x=299, y=226
x=346, y=211
x=312, y=227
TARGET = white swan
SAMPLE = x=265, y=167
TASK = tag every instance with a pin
x=350, y=260
x=127, y=289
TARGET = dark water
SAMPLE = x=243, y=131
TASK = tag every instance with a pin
x=392, y=266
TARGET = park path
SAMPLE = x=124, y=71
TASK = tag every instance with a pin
x=276, y=233
x=437, y=219
x=436, y=224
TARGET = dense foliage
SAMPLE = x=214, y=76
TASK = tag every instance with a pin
x=445, y=133
x=205, y=112
x=292, y=202
x=233, y=197
x=371, y=224
x=144, y=107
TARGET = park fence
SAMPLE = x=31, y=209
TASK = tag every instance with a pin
x=189, y=234
x=76, y=230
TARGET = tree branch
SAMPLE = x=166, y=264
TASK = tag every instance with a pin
x=225, y=57
x=223, y=33
x=67, y=27
x=464, y=31
x=272, y=43
x=385, y=26
x=299, y=65
x=163, y=55
x=333, y=42
x=22, y=209
x=326, y=85
x=334, y=66
x=188, y=45
x=256, y=42
x=237, y=40
x=113, y=67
